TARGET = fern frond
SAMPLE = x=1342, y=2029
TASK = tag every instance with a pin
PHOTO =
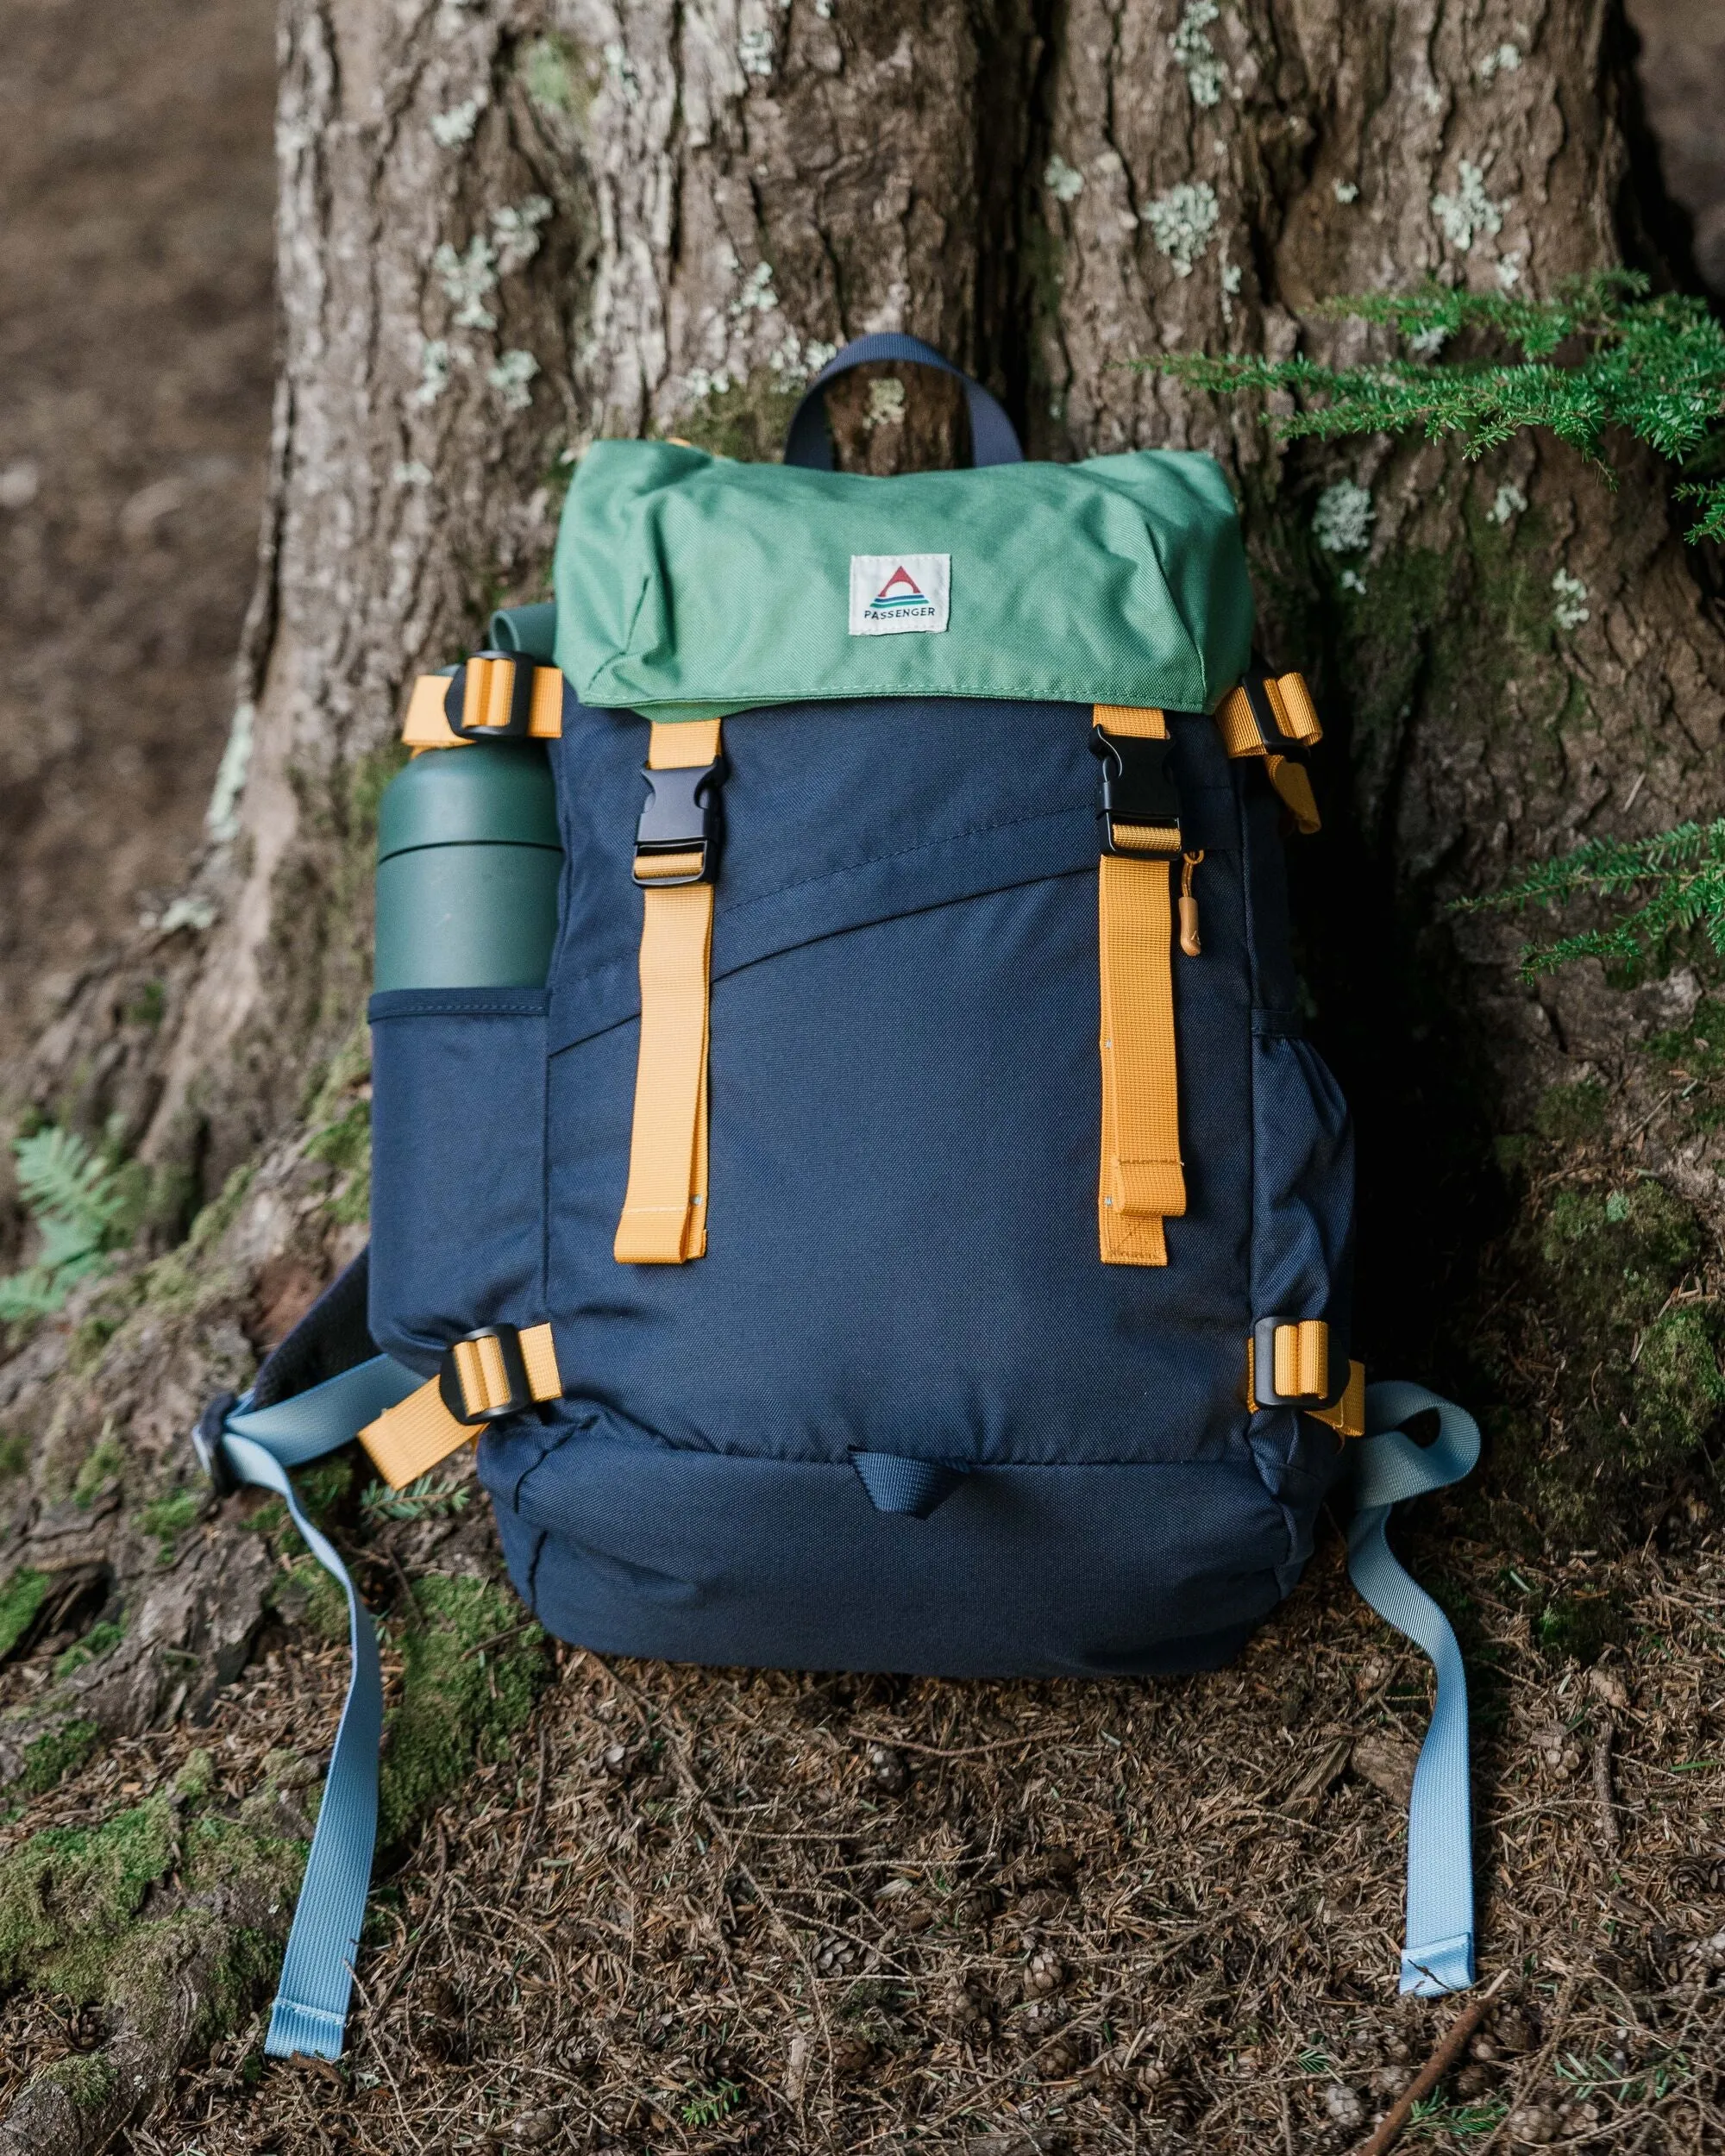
x=60, y=1176
x=30, y=1293
x=81, y=1206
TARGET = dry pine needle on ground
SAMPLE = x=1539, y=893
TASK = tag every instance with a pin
x=710, y=1910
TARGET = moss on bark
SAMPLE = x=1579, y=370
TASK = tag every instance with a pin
x=1605, y=1353
x=89, y=2082
x=58, y=1752
x=744, y=419
x=20, y=1599
x=107, y=1915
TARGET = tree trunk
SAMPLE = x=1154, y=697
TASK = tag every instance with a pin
x=508, y=227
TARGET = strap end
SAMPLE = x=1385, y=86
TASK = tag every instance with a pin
x=303, y=2032
x=427, y=725
x=1432, y=1973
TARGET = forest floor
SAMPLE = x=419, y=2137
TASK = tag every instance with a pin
x=709, y=1910
x=705, y=1910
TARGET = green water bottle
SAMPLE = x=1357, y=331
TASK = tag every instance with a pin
x=469, y=856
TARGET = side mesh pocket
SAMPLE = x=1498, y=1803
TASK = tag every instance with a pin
x=458, y=1163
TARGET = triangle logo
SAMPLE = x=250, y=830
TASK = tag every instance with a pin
x=899, y=590
x=891, y=593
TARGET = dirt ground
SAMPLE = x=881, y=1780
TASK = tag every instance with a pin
x=703, y=1911
x=136, y=339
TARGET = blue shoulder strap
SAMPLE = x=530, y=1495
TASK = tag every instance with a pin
x=1378, y=1472
x=257, y=1440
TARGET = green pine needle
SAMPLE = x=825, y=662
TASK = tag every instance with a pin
x=1677, y=879
x=1599, y=355
x=1654, y=367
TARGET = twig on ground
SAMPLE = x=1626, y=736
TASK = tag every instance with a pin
x=496, y=1639
x=1388, y=2130
x=942, y=1752
x=1604, y=1734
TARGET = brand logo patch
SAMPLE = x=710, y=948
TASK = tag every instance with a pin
x=892, y=594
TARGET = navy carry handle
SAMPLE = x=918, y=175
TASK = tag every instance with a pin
x=992, y=439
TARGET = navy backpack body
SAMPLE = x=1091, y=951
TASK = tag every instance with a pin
x=906, y=1228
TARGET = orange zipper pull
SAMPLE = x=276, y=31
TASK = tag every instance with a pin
x=1189, y=906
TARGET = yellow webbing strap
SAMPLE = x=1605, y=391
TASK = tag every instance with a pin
x=664, y=1209
x=1303, y=1358
x=1303, y=1365
x=488, y=694
x=408, y=1439
x=1141, y=1181
x=1347, y=1417
x=1296, y=720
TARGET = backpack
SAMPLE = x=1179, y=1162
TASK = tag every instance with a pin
x=824, y=1287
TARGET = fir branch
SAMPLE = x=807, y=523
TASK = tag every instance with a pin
x=1711, y=496
x=1677, y=879
x=1584, y=306
x=1599, y=354
x=1654, y=367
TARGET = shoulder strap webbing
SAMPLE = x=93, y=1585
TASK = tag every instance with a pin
x=295, y=1413
x=1378, y=1474
x=259, y=1445
x=1273, y=716
x=664, y=1208
x=1142, y=1181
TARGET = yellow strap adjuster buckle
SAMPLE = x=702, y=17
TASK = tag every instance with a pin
x=1273, y=716
x=1288, y=1365
x=1282, y=710
x=499, y=1370
x=491, y=698
x=483, y=1377
x=495, y=696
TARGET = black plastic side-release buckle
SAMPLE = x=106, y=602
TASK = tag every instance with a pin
x=1138, y=789
x=520, y=697
x=682, y=815
x=207, y=1433
x=452, y=1393
x=1276, y=742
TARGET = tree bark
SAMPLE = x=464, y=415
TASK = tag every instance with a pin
x=508, y=227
